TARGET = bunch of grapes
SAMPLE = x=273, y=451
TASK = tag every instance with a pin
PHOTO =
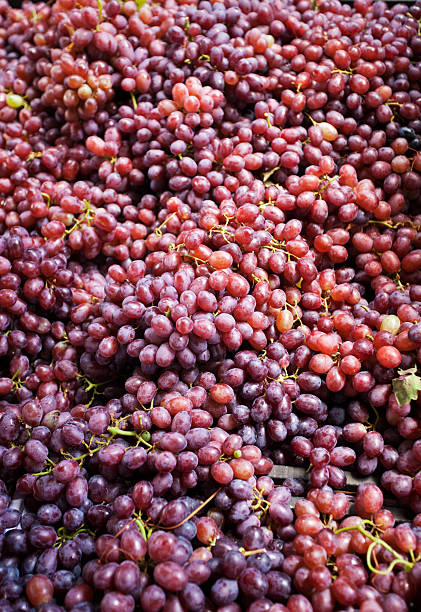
x=210, y=265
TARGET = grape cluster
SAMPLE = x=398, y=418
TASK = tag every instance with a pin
x=210, y=264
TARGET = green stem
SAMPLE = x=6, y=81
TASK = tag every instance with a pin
x=134, y=102
x=87, y=216
x=375, y=540
x=15, y=375
x=142, y=530
x=121, y=432
x=375, y=570
x=85, y=455
x=116, y=431
x=43, y=473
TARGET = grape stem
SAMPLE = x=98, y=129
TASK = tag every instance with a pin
x=47, y=197
x=133, y=98
x=141, y=525
x=189, y=516
x=259, y=503
x=100, y=7
x=106, y=441
x=408, y=565
x=63, y=535
x=116, y=431
x=87, y=216
x=248, y=553
x=158, y=231
x=268, y=174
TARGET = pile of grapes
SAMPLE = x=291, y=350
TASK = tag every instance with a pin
x=210, y=264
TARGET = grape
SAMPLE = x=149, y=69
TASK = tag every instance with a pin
x=170, y=575
x=373, y=444
x=344, y=591
x=113, y=600
x=371, y=498
x=39, y=590
x=389, y=357
x=222, y=473
x=153, y=598
x=161, y=546
x=133, y=544
x=103, y=578
x=70, y=554
x=224, y=591
x=62, y=581
x=126, y=577
x=192, y=596
x=253, y=583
